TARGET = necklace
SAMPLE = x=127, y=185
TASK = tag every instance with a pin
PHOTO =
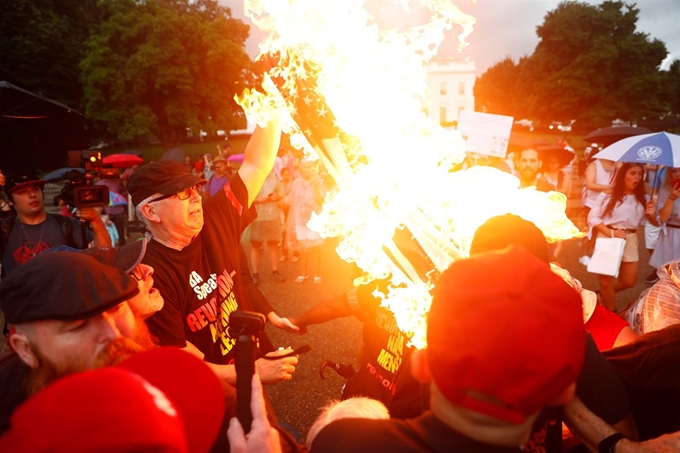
x=28, y=240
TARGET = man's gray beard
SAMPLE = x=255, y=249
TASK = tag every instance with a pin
x=47, y=372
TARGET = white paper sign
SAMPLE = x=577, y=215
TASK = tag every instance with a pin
x=485, y=133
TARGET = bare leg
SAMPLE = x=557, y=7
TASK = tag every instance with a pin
x=273, y=254
x=255, y=254
x=304, y=258
x=607, y=291
x=627, y=276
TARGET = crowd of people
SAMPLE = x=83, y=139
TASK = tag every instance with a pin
x=132, y=348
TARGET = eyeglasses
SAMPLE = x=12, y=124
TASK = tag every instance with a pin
x=183, y=195
x=140, y=272
x=137, y=274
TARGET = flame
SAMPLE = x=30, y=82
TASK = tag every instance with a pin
x=352, y=94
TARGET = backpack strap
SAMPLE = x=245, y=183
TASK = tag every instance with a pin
x=5, y=229
x=67, y=228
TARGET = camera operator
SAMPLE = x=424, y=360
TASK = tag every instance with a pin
x=33, y=230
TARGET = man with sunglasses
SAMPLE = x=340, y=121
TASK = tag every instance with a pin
x=194, y=251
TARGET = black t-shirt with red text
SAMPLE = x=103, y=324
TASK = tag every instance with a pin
x=384, y=372
x=201, y=284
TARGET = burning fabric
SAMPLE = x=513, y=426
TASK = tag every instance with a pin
x=353, y=93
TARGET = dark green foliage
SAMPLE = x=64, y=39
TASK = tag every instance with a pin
x=590, y=65
x=156, y=67
x=42, y=43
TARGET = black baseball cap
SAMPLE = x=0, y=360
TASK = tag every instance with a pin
x=15, y=182
x=65, y=286
x=165, y=177
x=124, y=258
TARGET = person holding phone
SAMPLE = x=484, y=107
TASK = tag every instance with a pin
x=667, y=213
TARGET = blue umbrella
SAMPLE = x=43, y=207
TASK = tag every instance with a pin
x=656, y=149
x=58, y=175
x=116, y=199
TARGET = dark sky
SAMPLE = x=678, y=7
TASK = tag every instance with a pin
x=506, y=27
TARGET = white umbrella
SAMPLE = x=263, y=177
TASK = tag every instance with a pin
x=660, y=148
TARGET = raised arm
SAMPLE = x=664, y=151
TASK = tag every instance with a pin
x=259, y=157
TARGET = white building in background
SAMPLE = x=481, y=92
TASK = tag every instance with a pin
x=450, y=83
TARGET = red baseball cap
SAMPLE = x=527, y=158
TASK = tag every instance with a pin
x=505, y=335
x=161, y=400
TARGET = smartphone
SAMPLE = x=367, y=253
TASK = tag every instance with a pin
x=676, y=183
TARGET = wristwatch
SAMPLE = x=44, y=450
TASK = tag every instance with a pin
x=608, y=444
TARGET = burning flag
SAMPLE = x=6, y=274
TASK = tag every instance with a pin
x=353, y=95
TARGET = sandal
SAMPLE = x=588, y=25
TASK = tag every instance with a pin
x=301, y=278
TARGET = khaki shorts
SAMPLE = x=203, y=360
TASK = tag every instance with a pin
x=630, y=251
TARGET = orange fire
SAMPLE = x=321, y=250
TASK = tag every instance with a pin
x=353, y=95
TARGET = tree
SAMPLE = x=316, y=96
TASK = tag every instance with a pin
x=42, y=43
x=592, y=65
x=672, y=86
x=495, y=89
x=156, y=67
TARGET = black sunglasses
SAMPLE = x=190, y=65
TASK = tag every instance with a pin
x=183, y=195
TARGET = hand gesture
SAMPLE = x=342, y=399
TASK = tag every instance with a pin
x=675, y=194
x=301, y=329
x=262, y=438
x=620, y=234
x=275, y=371
x=282, y=323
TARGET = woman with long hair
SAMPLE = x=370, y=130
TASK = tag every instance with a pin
x=668, y=247
x=618, y=215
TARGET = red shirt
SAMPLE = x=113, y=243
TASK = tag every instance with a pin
x=605, y=327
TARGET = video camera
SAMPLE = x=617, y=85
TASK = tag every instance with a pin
x=79, y=192
x=245, y=327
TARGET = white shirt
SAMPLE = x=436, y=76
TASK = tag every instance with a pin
x=627, y=215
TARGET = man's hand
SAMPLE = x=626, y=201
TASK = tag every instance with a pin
x=90, y=214
x=282, y=323
x=302, y=329
x=262, y=438
x=275, y=371
x=101, y=236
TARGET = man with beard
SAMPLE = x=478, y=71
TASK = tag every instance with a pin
x=70, y=313
x=528, y=166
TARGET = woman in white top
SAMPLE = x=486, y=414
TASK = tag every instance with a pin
x=619, y=214
x=599, y=177
x=668, y=247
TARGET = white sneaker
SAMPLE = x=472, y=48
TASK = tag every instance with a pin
x=584, y=260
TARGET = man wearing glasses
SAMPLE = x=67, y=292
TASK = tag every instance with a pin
x=194, y=252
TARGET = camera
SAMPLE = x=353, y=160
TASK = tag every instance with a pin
x=245, y=327
x=79, y=192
